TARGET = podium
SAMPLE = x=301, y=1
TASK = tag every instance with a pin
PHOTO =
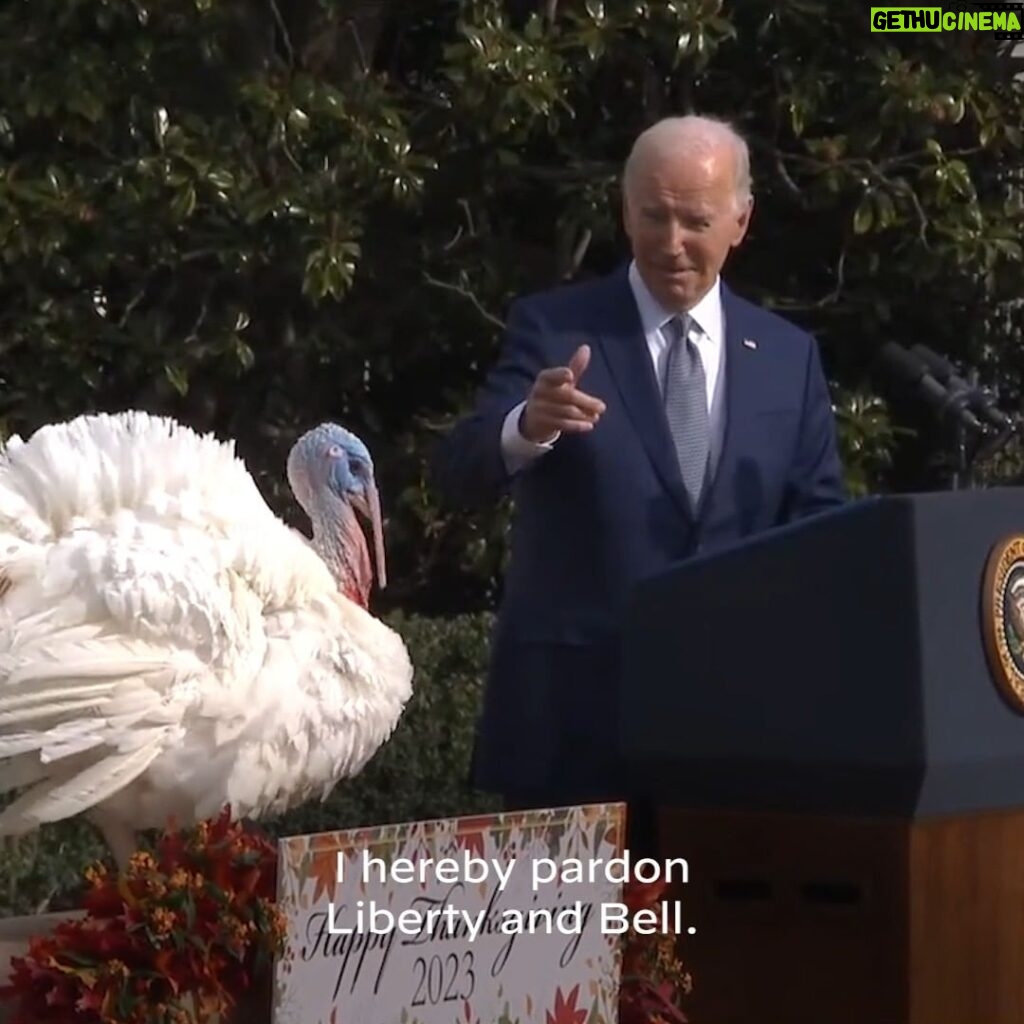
x=828, y=718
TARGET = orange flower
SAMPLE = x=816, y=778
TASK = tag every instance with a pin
x=163, y=920
x=96, y=874
x=141, y=862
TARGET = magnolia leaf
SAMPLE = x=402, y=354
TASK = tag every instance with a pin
x=184, y=202
x=222, y=179
x=244, y=354
x=178, y=378
x=959, y=177
x=475, y=39
x=864, y=216
x=1009, y=248
x=796, y=116
x=885, y=209
x=160, y=124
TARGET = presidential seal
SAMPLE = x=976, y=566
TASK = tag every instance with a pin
x=1003, y=618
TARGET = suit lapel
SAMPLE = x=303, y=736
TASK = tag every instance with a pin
x=624, y=346
x=743, y=379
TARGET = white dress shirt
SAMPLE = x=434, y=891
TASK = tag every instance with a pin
x=708, y=334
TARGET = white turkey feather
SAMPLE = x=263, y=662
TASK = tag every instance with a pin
x=167, y=644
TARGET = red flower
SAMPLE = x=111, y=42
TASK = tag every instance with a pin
x=653, y=979
x=643, y=895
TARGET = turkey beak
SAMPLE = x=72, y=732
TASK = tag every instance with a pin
x=368, y=503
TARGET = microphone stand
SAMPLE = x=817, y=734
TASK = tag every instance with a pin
x=976, y=429
x=966, y=456
x=989, y=444
x=963, y=468
x=999, y=441
x=991, y=428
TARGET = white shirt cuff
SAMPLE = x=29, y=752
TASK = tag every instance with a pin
x=517, y=451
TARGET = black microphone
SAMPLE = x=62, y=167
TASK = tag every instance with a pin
x=945, y=373
x=914, y=372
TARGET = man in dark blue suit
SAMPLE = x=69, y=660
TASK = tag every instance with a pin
x=638, y=420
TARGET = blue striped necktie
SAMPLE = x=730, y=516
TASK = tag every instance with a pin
x=686, y=406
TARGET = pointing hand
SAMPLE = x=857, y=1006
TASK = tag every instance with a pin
x=556, y=405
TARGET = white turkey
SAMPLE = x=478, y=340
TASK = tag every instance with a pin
x=168, y=646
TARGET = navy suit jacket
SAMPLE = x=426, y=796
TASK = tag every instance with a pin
x=605, y=509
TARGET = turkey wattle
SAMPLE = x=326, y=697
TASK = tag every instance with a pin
x=168, y=646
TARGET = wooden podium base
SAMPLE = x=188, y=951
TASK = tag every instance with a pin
x=806, y=920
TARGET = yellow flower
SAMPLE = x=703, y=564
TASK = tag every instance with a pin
x=141, y=861
x=117, y=968
x=201, y=837
x=163, y=920
x=95, y=874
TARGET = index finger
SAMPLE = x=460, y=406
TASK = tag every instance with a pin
x=573, y=396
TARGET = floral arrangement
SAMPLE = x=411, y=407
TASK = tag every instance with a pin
x=176, y=939
x=654, y=981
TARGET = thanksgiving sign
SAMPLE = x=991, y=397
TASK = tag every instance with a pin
x=513, y=917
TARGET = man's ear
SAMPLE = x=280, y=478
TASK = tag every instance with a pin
x=743, y=222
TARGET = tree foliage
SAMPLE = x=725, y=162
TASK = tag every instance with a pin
x=257, y=216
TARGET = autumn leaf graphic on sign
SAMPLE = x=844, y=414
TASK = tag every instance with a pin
x=611, y=837
x=470, y=835
x=323, y=867
x=565, y=1011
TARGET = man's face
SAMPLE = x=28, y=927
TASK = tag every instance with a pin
x=682, y=218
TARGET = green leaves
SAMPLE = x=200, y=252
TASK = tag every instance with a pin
x=177, y=378
x=330, y=269
x=864, y=217
x=876, y=211
x=255, y=225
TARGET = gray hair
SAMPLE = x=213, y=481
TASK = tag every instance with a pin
x=692, y=134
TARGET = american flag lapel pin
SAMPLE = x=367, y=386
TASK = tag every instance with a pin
x=750, y=343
